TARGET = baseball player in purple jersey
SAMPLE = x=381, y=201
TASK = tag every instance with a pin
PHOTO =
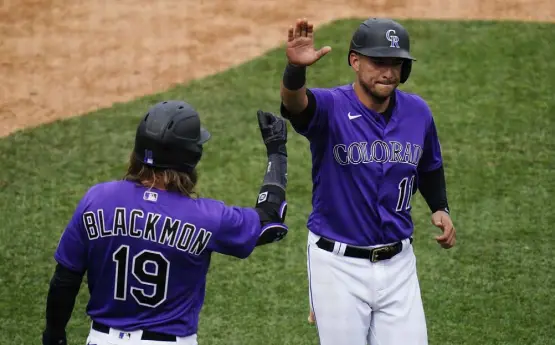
x=373, y=146
x=146, y=241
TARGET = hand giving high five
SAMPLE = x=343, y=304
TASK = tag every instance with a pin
x=300, y=45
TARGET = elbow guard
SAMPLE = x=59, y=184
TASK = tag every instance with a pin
x=272, y=209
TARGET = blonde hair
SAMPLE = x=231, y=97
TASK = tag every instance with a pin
x=172, y=180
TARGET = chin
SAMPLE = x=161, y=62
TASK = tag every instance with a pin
x=381, y=91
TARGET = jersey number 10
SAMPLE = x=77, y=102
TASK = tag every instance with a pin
x=156, y=278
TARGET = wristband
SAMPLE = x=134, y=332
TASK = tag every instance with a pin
x=294, y=77
x=276, y=148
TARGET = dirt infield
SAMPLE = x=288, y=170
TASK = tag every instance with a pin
x=60, y=58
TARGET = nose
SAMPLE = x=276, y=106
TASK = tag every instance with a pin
x=387, y=73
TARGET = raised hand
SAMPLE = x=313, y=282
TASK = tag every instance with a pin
x=300, y=45
x=274, y=131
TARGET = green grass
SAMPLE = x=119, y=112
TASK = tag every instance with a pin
x=490, y=86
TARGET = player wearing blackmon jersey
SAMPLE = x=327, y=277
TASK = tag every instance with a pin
x=146, y=241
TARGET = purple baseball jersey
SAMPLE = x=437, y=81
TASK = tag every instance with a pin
x=147, y=253
x=364, y=169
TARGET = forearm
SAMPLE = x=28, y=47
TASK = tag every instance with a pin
x=433, y=188
x=271, y=204
x=293, y=89
x=64, y=287
x=276, y=172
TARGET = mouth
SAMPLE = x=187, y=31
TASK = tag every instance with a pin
x=385, y=83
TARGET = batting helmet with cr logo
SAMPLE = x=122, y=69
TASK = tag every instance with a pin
x=382, y=37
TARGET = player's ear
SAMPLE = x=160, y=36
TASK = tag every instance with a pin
x=355, y=61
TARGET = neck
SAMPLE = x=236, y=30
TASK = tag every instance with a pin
x=376, y=104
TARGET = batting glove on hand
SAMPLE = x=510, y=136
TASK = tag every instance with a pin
x=274, y=132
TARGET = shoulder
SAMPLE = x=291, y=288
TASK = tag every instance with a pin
x=327, y=97
x=209, y=204
x=335, y=91
x=108, y=190
x=414, y=102
x=95, y=193
x=108, y=187
x=102, y=188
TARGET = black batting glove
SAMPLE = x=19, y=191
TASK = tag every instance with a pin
x=274, y=132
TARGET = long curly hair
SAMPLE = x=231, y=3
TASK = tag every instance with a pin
x=171, y=180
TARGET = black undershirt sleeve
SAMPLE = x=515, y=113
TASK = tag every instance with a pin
x=302, y=120
x=433, y=189
x=64, y=287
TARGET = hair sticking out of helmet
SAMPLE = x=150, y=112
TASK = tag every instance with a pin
x=167, y=179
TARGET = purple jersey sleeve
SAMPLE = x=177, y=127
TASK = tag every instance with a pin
x=431, y=156
x=238, y=233
x=323, y=107
x=73, y=246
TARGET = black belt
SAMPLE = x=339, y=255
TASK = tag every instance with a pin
x=374, y=254
x=147, y=335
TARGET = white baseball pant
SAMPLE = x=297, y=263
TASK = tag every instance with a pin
x=358, y=302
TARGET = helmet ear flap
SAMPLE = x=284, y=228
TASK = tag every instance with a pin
x=405, y=70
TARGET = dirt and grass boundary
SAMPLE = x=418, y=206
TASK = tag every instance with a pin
x=62, y=58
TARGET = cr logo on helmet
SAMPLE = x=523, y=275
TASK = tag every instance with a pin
x=392, y=38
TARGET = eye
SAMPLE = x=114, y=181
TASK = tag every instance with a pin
x=397, y=62
x=387, y=61
x=379, y=62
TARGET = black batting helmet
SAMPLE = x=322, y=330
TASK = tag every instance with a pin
x=170, y=136
x=382, y=37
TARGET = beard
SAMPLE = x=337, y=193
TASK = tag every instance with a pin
x=377, y=96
